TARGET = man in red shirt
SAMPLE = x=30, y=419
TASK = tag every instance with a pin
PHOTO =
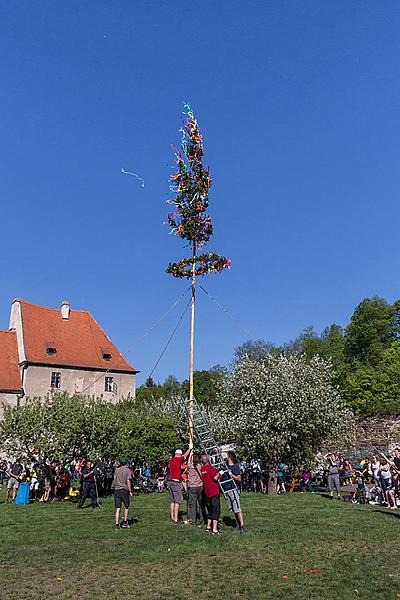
x=211, y=489
x=174, y=484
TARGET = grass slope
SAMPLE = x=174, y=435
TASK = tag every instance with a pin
x=56, y=550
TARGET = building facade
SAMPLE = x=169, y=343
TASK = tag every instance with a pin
x=47, y=349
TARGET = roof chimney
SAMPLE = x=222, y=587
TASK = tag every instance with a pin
x=65, y=308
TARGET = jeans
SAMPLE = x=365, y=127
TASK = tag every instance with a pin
x=88, y=491
x=306, y=484
x=194, y=503
x=333, y=482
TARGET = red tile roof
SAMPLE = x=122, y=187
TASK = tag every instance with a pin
x=10, y=380
x=79, y=341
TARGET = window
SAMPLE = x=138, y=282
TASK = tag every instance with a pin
x=106, y=355
x=51, y=348
x=109, y=384
x=55, y=380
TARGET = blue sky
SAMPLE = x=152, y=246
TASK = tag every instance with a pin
x=299, y=104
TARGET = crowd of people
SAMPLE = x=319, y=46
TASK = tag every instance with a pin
x=373, y=480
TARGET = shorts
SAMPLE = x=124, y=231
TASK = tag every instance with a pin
x=47, y=484
x=214, y=508
x=175, y=492
x=233, y=499
x=12, y=483
x=122, y=496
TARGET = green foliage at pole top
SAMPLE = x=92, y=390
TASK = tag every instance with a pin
x=190, y=185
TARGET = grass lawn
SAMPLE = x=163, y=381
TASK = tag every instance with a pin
x=56, y=550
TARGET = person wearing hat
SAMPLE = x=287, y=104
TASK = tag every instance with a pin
x=174, y=484
x=122, y=492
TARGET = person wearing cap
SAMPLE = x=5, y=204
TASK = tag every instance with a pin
x=174, y=484
x=122, y=492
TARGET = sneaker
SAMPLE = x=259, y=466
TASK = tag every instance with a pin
x=242, y=530
x=117, y=526
x=125, y=525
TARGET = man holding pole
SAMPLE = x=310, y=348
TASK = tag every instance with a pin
x=174, y=484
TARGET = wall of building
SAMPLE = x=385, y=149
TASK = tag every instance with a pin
x=37, y=382
x=7, y=398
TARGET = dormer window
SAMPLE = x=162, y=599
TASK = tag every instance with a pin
x=106, y=355
x=51, y=348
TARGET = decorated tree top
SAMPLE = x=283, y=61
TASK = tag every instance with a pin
x=190, y=184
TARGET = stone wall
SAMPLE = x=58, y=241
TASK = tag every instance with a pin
x=373, y=434
x=378, y=432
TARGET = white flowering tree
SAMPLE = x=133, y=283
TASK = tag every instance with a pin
x=282, y=406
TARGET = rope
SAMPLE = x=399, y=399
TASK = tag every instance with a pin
x=137, y=342
x=227, y=312
x=170, y=337
x=153, y=326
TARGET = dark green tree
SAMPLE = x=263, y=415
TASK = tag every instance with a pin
x=253, y=349
x=373, y=327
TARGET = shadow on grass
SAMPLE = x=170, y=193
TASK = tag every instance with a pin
x=229, y=522
x=385, y=512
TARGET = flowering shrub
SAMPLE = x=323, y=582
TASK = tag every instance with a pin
x=282, y=406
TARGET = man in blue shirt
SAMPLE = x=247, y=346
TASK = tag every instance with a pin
x=233, y=494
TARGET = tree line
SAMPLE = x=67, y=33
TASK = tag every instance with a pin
x=365, y=356
x=271, y=401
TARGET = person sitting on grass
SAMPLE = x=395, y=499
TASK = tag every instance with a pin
x=174, y=483
x=211, y=489
x=122, y=492
x=306, y=483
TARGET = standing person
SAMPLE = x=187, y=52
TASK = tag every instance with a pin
x=88, y=485
x=195, y=489
x=347, y=471
x=174, y=483
x=256, y=472
x=122, y=492
x=14, y=472
x=211, y=489
x=280, y=479
x=396, y=458
x=108, y=477
x=233, y=490
x=333, y=474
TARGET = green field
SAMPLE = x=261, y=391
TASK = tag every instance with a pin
x=57, y=550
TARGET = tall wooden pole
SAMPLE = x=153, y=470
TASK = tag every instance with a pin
x=191, y=367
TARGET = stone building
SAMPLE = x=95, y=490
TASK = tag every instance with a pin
x=47, y=349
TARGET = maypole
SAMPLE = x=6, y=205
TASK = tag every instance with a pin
x=190, y=185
